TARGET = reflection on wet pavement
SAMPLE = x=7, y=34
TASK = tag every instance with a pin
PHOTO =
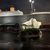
x=42, y=44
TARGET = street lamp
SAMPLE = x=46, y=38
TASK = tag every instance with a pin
x=32, y=2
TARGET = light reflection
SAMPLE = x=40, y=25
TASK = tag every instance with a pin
x=31, y=1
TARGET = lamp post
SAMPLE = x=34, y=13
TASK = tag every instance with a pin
x=32, y=3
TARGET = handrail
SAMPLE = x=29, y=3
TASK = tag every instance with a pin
x=15, y=14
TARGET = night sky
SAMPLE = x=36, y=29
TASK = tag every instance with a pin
x=24, y=5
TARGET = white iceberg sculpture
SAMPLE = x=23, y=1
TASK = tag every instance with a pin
x=9, y=13
x=32, y=23
x=18, y=12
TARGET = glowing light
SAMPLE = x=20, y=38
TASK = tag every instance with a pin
x=30, y=0
x=33, y=1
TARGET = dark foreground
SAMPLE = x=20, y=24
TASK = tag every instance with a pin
x=42, y=44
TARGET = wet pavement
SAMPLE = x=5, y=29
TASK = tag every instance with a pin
x=42, y=44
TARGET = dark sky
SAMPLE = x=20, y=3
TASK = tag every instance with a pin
x=24, y=5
